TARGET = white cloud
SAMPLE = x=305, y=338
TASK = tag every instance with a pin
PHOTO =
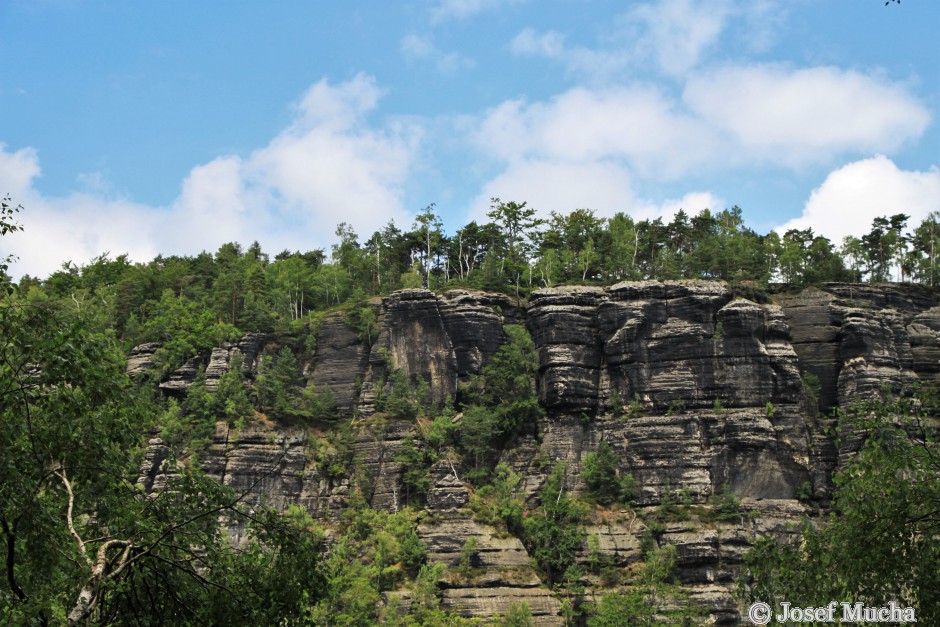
x=675, y=34
x=328, y=166
x=325, y=172
x=693, y=203
x=550, y=44
x=460, y=9
x=559, y=186
x=807, y=115
x=853, y=195
x=744, y=116
x=672, y=36
x=638, y=125
x=17, y=170
x=596, y=66
x=418, y=48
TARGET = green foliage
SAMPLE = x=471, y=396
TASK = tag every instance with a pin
x=553, y=532
x=318, y=403
x=675, y=407
x=231, y=396
x=416, y=460
x=502, y=404
x=335, y=454
x=498, y=504
x=7, y=225
x=185, y=329
x=85, y=544
x=669, y=508
x=653, y=598
x=469, y=557
x=600, y=475
x=374, y=552
x=726, y=507
x=880, y=541
x=362, y=318
x=401, y=399
x=278, y=385
x=195, y=428
x=812, y=393
x=518, y=615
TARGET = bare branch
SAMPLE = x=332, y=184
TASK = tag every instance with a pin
x=68, y=515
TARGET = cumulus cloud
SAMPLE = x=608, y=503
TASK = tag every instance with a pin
x=418, y=48
x=328, y=166
x=637, y=125
x=853, y=195
x=805, y=115
x=17, y=170
x=692, y=203
x=76, y=228
x=730, y=118
x=675, y=34
x=673, y=37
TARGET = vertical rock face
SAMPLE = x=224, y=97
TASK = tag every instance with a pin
x=340, y=361
x=693, y=367
x=696, y=391
x=414, y=339
x=859, y=339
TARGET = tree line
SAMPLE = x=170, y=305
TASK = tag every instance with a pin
x=244, y=289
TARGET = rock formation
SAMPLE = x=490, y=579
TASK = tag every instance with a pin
x=697, y=390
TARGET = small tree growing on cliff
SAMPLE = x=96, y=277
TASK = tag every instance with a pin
x=600, y=475
x=553, y=533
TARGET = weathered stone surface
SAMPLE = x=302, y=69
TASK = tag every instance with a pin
x=860, y=339
x=181, y=379
x=140, y=359
x=501, y=570
x=695, y=390
x=340, y=361
x=474, y=325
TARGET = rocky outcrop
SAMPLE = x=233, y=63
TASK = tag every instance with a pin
x=499, y=571
x=340, y=361
x=140, y=359
x=860, y=339
x=181, y=379
x=697, y=390
x=439, y=340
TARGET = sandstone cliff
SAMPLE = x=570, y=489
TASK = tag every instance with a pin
x=698, y=390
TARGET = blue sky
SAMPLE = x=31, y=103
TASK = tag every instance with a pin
x=173, y=127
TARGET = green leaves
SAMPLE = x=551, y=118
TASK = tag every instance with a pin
x=502, y=403
x=600, y=475
x=553, y=534
x=880, y=541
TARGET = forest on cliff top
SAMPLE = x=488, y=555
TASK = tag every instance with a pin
x=514, y=252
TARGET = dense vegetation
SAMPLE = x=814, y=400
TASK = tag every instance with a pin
x=84, y=542
x=192, y=303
